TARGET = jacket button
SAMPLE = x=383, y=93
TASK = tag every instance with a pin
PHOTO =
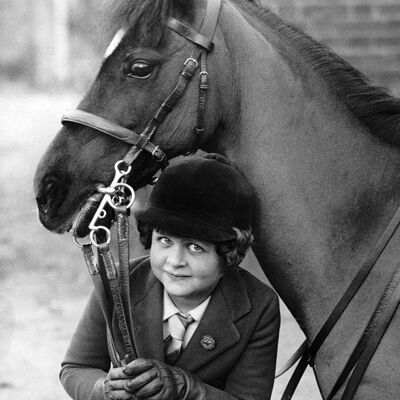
x=207, y=342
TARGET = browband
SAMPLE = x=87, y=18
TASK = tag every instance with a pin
x=204, y=38
x=190, y=34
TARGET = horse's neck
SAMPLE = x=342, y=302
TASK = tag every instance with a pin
x=326, y=187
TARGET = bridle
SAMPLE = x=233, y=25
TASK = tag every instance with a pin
x=111, y=281
x=202, y=44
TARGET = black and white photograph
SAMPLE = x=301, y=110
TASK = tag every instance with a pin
x=200, y=199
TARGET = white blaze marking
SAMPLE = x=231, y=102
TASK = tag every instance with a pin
x=115, y=42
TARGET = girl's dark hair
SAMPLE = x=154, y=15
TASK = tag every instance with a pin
x=232, y=251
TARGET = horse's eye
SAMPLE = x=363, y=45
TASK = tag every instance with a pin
x=140, y=70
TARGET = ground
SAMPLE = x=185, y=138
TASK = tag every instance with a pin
x=43, y=279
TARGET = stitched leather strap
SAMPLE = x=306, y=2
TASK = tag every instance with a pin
x=203, y=87
x=123, y=266
x=105, y=254
x=105, y=304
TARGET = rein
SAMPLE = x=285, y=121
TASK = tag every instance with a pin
x=111, y=280
x=377, y=325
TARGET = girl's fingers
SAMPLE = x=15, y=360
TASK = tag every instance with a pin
x=117, y=373
x=137, y=367
x=143, y=379
x=120, y=384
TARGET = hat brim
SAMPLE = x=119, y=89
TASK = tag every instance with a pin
x=183, y=226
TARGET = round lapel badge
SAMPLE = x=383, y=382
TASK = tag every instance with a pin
x=207, y=342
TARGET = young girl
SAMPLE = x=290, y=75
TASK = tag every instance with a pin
x=204, y=328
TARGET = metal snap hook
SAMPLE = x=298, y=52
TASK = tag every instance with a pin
x=121, y=171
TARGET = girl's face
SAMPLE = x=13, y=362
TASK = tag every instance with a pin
x=189, y=269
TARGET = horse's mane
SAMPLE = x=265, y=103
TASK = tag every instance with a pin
x=372, y=105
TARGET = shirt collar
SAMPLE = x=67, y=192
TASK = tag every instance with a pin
x=170, y=309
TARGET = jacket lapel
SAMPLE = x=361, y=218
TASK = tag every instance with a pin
x=228, y=303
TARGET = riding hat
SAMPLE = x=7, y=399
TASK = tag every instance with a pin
x=201, y=198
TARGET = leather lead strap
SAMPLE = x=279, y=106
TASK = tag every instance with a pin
x=105, y=254
x=123, y=267
x=103, y=301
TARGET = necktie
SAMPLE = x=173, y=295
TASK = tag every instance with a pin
x=177, y=325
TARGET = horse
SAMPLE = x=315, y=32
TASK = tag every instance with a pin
x=318, y=142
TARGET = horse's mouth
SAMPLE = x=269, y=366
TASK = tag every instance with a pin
x=80, y=225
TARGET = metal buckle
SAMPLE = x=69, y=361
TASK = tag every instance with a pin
x=191, y=59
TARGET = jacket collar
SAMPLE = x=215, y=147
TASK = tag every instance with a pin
x=228, y=303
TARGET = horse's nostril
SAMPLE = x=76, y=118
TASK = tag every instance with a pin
x=48, y=191
x=49, y=184
x=52, y=193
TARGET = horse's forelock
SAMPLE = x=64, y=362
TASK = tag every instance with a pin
x=146, y=17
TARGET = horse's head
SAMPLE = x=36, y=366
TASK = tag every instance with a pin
x=134, y=90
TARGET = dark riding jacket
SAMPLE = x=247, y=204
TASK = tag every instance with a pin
x=242, y=320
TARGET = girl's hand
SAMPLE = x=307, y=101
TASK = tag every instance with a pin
x=115, y=385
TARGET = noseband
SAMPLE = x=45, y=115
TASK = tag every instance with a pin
x=202, y=44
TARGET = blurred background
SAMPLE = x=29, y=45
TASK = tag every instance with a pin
x=50, y=50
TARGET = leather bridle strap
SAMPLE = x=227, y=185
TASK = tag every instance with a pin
x=309, y=355
x=190, y=34
x=109, y=128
